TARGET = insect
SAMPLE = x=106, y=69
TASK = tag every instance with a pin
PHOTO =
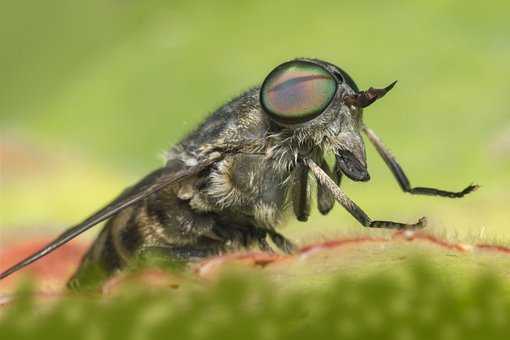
x=229, y=183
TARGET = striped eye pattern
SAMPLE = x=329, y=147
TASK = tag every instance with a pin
x=297, y=91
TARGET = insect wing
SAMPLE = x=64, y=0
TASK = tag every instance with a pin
x=172, y=173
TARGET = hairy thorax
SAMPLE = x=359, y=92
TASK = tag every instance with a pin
x=248, y=188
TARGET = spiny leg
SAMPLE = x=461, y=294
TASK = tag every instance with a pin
x=256, y=235
x=264, y=246
x=282, y=242
x=401, y=177
x=260, y=235
x=353, y=208
x=278, y=239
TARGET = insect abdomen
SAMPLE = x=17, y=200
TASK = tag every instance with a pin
x=109, y=252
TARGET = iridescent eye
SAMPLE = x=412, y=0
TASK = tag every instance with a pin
x=297, y=91
x=348, y=80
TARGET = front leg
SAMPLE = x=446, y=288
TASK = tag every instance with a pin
x=245, y=237
x=401, y=177
x=352, y=207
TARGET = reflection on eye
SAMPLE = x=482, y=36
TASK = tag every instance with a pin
x=297, y=91
x=348, y=80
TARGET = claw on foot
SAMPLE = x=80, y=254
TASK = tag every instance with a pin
x=422, y=223
x=471, y=188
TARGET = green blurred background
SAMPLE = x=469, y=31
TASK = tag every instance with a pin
x=93, y=92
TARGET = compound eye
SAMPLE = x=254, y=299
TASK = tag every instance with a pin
x=297, y=91
x=348, y=80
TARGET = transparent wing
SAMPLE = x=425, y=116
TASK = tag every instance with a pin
x=172, y=173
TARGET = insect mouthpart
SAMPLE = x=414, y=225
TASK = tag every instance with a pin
x=351, y=166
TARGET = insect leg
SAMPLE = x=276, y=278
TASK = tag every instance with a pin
x=264, y=246
x=352, y=207
x=401, y=177
x=281, y=242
